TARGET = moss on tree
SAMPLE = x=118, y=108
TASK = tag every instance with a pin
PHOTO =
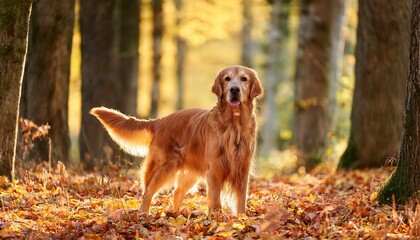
x=350, y=159
x=396, y=186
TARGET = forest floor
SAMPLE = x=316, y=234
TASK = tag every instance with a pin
x=70, y=204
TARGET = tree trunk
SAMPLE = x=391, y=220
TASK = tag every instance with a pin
x=337, y=53
x=14, y=21
x=318, y=34
x=246, y=53
x=180, y=57
x=276, y=73
x=157, y=8
x=275, y=38
x=405, y=181
x=129, y=21
x=99, y=74
x=381, y=68
x=45, y=89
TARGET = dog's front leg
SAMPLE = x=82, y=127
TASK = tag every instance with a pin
x=241, y=195
x=214, y=188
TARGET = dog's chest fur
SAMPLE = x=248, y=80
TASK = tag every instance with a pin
x=236, y=134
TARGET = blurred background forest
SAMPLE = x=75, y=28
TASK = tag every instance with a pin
x=150, y=58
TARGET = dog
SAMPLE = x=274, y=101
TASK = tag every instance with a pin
x=218, y=144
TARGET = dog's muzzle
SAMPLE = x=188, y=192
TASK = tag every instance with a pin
x=235, y=96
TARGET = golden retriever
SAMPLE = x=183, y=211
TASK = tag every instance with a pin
x=218, y=144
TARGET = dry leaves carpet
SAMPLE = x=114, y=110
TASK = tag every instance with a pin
x=65, y=204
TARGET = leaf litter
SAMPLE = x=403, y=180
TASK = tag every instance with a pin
x=70, y=204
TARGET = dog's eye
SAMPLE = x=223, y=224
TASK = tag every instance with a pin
x=243, y=79
x=227, y=79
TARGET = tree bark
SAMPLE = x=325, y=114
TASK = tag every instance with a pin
x=45, y=89
x=405, y=181
x=99, y=74
x=276, y=73
x=337, y=53
x=381, y=67
x=14, y=24
x=318, y=33
x=272, y=78
x=246, y=53
x=129, y=33
x=157, y=8
x=181, y=48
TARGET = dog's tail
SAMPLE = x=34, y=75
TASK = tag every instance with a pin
x=132, y=135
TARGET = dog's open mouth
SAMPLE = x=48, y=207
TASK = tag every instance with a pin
x=234, y=102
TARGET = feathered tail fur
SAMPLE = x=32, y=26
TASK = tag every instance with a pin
x=131, y=134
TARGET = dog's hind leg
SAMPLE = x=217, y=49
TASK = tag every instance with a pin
x=185, y=182
x=157, y=174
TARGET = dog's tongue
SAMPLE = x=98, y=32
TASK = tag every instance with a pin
x=235, y=103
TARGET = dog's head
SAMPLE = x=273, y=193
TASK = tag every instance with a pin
x=237, y=84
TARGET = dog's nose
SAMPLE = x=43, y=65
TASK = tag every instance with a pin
x=234, y=90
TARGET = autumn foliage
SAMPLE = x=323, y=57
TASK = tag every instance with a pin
x=55, y=202
x=70, y=204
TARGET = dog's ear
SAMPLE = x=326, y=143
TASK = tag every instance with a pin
x=256, y=88
x=217, y=86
